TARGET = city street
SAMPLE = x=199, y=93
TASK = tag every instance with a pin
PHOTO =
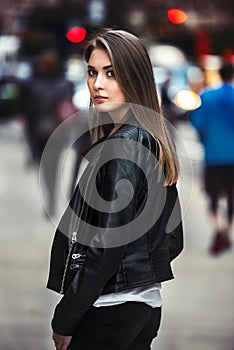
x=198, y=311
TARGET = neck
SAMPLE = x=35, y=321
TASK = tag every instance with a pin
x=120, y=120
x=119, y=115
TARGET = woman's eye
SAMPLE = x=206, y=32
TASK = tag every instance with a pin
x=110, y=73
x=92, y=72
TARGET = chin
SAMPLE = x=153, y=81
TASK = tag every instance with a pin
x=109, y=106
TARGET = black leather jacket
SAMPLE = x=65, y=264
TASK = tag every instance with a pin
x=85, y=263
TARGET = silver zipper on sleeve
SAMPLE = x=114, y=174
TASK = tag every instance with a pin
x=73, y=240
x=76, y=256
x=74, y=237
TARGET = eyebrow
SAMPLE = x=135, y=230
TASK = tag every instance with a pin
x=106, y=67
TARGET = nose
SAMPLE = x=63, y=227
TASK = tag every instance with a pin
x=99, y=82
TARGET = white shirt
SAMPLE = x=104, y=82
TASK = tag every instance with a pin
x=149, y=295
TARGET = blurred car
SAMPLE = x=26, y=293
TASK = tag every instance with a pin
x=175, y=76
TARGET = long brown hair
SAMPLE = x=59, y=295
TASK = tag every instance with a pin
x=134, y=73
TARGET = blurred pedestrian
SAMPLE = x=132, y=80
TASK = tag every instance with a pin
x=214, y=122
x=47, y=101
x=43, y=101
x=115, y=243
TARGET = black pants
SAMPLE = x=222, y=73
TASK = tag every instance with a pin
x=128, y=326
x=219, y=182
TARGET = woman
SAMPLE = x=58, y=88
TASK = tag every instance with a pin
x=113, y=249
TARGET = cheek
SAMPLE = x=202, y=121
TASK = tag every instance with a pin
x=118, y=92
x=121, y=96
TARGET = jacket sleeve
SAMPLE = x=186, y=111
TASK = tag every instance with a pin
x=100, y=263
x=175, y=235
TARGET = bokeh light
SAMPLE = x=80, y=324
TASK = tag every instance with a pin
x=176, y=16
x=187, y=100
x=76, y=34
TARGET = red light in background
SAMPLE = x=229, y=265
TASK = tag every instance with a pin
x=228, y=54
x=76, y=34
x=176, y=16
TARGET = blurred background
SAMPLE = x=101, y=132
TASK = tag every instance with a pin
x=42, y=82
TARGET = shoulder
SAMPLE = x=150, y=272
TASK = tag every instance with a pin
x=130, y=143
x=210, y=90
x=135, y=132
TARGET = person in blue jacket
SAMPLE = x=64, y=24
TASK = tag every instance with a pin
x=214, y=122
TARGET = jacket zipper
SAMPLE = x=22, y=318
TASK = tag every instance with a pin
x=73, y=241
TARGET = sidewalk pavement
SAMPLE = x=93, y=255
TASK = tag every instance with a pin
x=198, y=311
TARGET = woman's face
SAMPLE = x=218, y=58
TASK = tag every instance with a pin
x=105, y=91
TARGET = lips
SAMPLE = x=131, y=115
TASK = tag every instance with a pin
x=100, y=98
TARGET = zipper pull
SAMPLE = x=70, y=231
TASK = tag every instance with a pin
x=73, y=237
x=76, y=256
x=74, y=266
